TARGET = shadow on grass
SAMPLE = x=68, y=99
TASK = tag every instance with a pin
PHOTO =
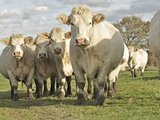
x=24, y=102
x=151, y=78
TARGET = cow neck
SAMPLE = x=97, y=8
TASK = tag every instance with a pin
x=20, y=62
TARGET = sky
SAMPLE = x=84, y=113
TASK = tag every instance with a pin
x=30, y=17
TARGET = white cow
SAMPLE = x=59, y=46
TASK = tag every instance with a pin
x=17, y=64
x=30, y=42
x=60, y=42
x=96, y=48
x=45, y=66
x=154, y=37
x=137, y=59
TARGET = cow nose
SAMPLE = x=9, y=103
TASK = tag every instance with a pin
x=42, y=54
x=57, y=50
x=81, y=41
x=16, y=53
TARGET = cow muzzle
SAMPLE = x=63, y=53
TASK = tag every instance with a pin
x=17, y=54
x=42, y=55
x=57, y=51
x=81, y=42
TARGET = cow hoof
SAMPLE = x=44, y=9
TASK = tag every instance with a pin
x=110, y=94
x=38, y=96
x=101, y=101
x=81, y=99
x=68, y=95
x=45, y=92
x=31, y=97
x=51, y=93
x=89, y=91
x=15, y=97
x=61, y=93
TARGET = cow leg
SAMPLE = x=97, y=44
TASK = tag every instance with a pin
x=115, y=85
x=28, y=84
x=142, y=71
x=135, y=74
x=101, y=97
x=89, y=89
x=40, y=85
x=52, y=88
x=62, y=88
x=105, y=87
x=45, y=91
x=132, y=72
x=101, y=79
x=14, y=93
x=110, y=88
x=80, y=83
x=57, y=83
x=36, y=83
x=14, y=86
x=68, y=79
x=95, y=90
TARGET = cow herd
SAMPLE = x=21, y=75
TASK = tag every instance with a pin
x=94, y=48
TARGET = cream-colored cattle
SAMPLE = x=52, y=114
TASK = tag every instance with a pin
x=30, y=42
x=154, y=37
x=60, y=42
x=96, y=48
x=17, y=64
x=45, y=65
x=137, y=59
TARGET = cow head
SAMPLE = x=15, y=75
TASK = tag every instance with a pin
x=42, y=45
x=16, y=41
x=58, y=40
x=82, y=21
x=132, y=51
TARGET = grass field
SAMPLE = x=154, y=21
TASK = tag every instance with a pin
x=136, y=99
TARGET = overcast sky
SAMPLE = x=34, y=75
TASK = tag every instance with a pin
x=31, y=17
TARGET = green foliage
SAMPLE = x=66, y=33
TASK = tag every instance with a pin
x=134, y=31
x=136, y=99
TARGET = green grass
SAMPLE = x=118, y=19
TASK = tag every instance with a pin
x=136, y=99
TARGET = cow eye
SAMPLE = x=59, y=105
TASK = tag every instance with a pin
x=90, y=23
x=72, y=24
x=22, y=44
x=48, y=43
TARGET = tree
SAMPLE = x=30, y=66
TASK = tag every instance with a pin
x=134, y=31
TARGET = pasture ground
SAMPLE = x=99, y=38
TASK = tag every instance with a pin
x=136, y=99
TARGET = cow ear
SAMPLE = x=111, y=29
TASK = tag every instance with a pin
x=5, y=41
x=45, y=34
x=68, y=35
x=135, y=49
x=98, y=18
x=29, y=40
x=63, y=18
